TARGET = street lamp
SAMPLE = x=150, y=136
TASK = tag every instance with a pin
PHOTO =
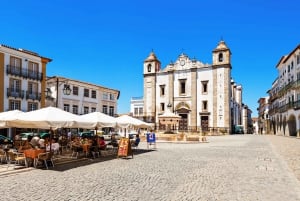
x=66, y=90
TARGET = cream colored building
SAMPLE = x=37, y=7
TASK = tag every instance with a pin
x=284, y=111
x=22, y=79
x=204, y=95
x=83, y=98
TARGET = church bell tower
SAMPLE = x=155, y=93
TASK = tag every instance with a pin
x=151, y=67
x=221, y=68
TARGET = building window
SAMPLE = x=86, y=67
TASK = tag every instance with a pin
x=141, y=111
x=32, y=106
x=85, y=110
x=75, y=90
x=111, y=111
x=136, y=111
x=220, y=57
x=298, y=59
x=32, y=88
x=204, y=105
x=75, y=109
x=94, y=94
x=162, y=107
x=162, y=90
x=93, y=109
x=149, y=68
x=14, y=105
x=67, y=107
x=15, y=64
x=182, y=87
x=86, y=93
x=204, y=86
x=104, y=109
x=15, y=85
x=105, y=96
x=33, y=69
x=111, y=97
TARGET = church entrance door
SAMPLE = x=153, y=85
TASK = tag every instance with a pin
x=183, y=122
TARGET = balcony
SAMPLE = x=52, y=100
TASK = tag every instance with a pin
x=34, y=75
x=13, y=70
x=33, y=95
x=25, y=73
x=292, y=105
x=15, y=93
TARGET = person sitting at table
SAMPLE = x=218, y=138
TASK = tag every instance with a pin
x=35, y=141
x=54, y=146
x=42, y=143
x=94, y=146
x=101, y=143
x=25, y=146
x=136, y=142
x=76, y=145
x=113, y=141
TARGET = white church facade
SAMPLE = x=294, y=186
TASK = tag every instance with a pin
x=204, y=95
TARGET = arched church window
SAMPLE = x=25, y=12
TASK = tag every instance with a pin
x=149, y=68
x=220, y=57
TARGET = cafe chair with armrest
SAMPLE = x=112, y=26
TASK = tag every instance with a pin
x=3, y=156
x=45, y=158
x=135, y=146
x=76, y=150
x=95, y=151
x=14, y=158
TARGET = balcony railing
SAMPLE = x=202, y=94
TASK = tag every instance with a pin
x=23, y=72
x=13, y=70
x=33, y=95
x=15, y=93
x=292, y=105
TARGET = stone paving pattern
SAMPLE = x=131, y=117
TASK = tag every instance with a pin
x=228, y=168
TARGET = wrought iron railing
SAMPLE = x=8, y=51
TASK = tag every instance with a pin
x=15, y=93
x=33, y=95
x=23, y=72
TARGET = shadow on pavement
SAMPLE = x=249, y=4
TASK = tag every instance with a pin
x=75, y=163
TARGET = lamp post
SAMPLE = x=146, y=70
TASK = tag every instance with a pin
x=66, y=90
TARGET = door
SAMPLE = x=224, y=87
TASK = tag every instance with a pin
x=204, y=123
x=183, y=122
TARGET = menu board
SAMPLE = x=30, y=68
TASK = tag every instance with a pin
x=124, y=147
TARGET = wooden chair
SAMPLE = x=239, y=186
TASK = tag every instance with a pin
x=15, y=158
x=75, y=151
x=95, y=151
x=3, y=156
x=135, y=146
x=45, y=158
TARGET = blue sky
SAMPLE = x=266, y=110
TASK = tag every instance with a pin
x=106, y=42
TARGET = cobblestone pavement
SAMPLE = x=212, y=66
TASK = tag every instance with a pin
x=228, y=168
x=289, y=149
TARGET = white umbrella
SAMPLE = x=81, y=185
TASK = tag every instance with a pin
x=46, y=118
x=97, y=119
x=8, y=116
x=126, y=121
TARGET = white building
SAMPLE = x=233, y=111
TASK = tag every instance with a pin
x=284, y=99
x=137, y=107
x=204, y=95
x=83, y=98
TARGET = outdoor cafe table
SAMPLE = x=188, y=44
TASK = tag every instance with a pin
x=33, y=153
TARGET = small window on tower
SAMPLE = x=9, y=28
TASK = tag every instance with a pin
x=149, y=68
x=220, y=57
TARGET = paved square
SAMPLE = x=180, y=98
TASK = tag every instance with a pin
x=228, y=168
